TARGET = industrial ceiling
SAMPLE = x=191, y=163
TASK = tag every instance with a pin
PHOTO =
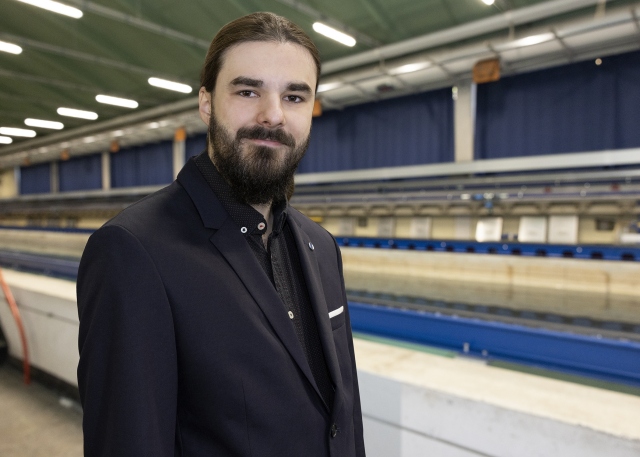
x=117, y=45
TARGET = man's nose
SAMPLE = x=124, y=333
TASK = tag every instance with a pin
x=271, y=113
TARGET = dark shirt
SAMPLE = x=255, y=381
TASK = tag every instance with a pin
x=281, y=263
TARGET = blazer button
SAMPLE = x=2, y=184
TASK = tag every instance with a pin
x=311, y=246
x=334, y=430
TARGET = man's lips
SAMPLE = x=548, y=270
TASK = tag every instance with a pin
x=271, y=143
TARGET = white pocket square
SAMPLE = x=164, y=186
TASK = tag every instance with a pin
x=335, y=312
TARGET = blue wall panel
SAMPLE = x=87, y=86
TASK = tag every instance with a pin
x=412, y=130
x=573, y=108
x=612, y=360
x=81, y=173
x=146, y=165
x=35, y=179
x=194, y=145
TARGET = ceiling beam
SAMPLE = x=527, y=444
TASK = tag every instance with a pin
x=461, y=32
x=318, y=16
x=47, y=81
x=380, y=17
x=86, y=57
x=139, y=23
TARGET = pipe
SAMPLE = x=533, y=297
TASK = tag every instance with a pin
x=26, y=369
x=461, y=32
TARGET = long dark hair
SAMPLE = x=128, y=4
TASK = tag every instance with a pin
x=253, y=27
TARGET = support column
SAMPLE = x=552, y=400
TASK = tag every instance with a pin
x=464, y=96
x=179, y=140
x=106, y=170
x=55, y=177
x=9, y=182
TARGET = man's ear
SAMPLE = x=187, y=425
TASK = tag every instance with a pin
x=204, y=105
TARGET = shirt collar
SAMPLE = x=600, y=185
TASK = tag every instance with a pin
x=250, y=221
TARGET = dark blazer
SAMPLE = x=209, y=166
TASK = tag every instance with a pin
x=186, y=348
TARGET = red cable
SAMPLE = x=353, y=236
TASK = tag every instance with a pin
x=23, y=336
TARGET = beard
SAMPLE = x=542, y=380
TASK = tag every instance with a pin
x=257, y=175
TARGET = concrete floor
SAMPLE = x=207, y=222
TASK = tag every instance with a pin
x=33, y=420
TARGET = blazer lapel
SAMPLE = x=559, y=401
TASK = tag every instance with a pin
x=309, y=263
x=232, y=245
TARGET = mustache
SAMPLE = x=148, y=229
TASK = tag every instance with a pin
x=257, y=132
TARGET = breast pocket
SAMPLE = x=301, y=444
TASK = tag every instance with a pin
x=337, y=318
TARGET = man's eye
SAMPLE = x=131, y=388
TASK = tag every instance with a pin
x=294, y=98
x=246, y=93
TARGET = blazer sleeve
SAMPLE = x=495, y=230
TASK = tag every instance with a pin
x=127, y=374
x=357, y=410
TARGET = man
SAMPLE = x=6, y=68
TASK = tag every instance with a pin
x=213, y=316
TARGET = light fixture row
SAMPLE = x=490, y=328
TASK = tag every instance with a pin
x=55, y=7
x=156, y=82
x=76, y=13
x=7, y=132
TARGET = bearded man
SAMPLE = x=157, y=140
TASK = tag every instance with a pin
x=213, y=316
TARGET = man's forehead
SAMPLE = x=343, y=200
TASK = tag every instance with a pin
x=289, y=63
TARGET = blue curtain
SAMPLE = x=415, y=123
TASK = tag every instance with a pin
x=146, y=165
x=194, y=145
x=81, y=173
x=574, y=108
x=35, y=179
x=412, y=130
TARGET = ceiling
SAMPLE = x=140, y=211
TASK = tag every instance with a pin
x=118, y=44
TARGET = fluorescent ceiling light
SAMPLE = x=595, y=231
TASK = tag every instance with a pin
x=527, y=41
x=170, y=85
x=56, y=7
x=410, y=68
x=117, y=101
x=10, y=131
x=90, y=115
x=535, y=39
x=328, y=86
x=5, y=140
x=44, y=124
x=488, y=2
x=10, y=48
x=334, y=34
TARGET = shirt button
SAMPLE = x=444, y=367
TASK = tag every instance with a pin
x=243, y=229
x=261, y=226
x=334, y=430
x=311, y=246
x=290, y=315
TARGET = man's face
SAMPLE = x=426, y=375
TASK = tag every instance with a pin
x=259, y=117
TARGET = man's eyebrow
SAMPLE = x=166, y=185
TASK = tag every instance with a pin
x=244, y=81
x=299, y=87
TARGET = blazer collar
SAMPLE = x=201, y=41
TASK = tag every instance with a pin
x=211, y=211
